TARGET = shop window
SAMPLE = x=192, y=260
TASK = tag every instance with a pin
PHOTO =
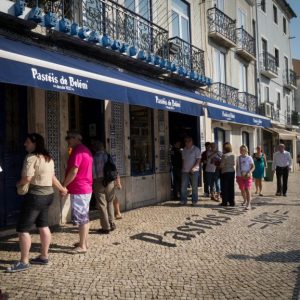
x=219, y=137
x=141, y=140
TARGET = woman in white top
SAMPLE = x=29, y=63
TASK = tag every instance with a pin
x=244, y=168
x=38, y=173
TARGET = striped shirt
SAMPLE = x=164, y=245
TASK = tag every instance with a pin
x=282, y=159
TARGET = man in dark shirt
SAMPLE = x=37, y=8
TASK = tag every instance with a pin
x=204, y=162
x=176, y=161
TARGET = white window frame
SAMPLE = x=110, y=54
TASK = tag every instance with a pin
x=241, y=22
x=219, y=72
x=180, y=16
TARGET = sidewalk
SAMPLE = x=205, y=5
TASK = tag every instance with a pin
x=173, y=252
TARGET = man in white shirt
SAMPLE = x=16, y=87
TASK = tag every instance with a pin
x=282, y=164
x=190, y=170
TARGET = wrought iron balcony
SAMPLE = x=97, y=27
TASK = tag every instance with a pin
x=290, y=79
x=186, y=55
x=295, y=118
x=221, y=27
x=245, y=44
x=275, y=114
x=268, y=65
x=225, y=93
x=289, y=118
x=247, y=102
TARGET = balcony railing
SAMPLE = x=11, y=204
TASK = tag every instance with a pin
x=220, y=24
x=225, y=93
x=290, y=78
x=245, y=42
x=108, y=18
x=295, y=118
x=275, y=114
x=247, y=102
x=289, y=118
x=186, y=55
x=268, y=65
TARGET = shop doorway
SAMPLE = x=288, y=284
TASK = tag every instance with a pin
x=87, y=116
x=13, y=130
x=181, y=125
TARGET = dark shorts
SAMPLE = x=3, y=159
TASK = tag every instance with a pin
x=34, y=211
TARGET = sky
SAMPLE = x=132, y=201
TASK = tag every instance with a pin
x=295, y=28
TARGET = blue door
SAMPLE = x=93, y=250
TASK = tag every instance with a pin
x=13, y=129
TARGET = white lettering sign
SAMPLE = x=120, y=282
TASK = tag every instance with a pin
x=61, y=83
x=170, y=104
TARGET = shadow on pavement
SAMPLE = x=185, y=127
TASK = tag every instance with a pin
x=281, y=257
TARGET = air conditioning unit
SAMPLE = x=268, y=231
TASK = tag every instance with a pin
x=268, y=110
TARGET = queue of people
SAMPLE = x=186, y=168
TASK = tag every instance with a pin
x=85, y=174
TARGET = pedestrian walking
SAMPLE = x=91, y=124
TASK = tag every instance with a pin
x=227, y=166
x=176, y=162
x=260, y=163
x=190, y=170
x=37, y=179
x=282, y=164
x=78, y=181
x=204, y=162
x=104, y=191
x=244, y=168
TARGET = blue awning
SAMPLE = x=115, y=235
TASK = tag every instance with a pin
x=232, y=114
x=29, y=65
x=33, y=66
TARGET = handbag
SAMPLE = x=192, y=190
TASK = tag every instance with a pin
x=23, y=189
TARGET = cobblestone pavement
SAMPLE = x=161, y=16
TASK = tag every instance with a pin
x=173, y=252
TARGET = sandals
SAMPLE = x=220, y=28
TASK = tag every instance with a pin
x=18, y=267
x=78, y=250
x=76, y=245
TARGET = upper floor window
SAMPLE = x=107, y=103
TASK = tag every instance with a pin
x=243, y=78
x=141, y=7
x=277, y=57
x=263, y=5
x=275, y=14
x=284, y=25
x=220, y=67
x=220, y=4
x=181, y=20
x=278, y=100
x=266, y=93
x=241, y=18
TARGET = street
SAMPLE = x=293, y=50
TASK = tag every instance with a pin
x=169, y=251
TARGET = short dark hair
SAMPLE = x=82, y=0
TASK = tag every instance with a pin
x=207, y=144
x=227, y=147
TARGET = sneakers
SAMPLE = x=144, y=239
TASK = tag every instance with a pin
x=18, y=267
x=39, y=261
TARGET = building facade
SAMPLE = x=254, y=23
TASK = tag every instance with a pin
x=276, y=77
x=136, y=74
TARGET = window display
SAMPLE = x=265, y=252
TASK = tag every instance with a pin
x=141, y=140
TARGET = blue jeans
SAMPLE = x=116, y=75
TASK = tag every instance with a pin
x=213, y=179
x=185, y=180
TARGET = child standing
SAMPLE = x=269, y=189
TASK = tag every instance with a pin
x=244, y=169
